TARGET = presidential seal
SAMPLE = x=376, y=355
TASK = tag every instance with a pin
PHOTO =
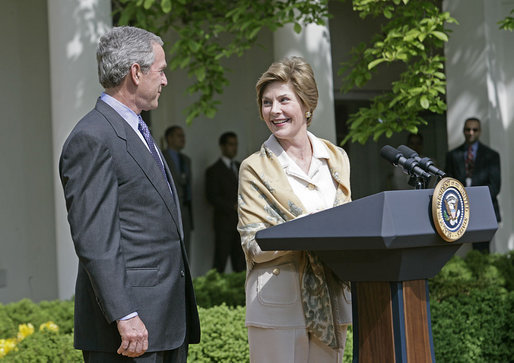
x=450, y=209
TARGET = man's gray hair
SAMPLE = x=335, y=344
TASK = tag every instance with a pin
x=119, y=49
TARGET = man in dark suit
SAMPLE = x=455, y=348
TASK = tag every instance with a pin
x=180, y=167
x=221, y=184
x=134, y=298
x=475, y=164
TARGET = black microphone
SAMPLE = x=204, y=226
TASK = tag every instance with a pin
x=410, y=166
x=425, y=163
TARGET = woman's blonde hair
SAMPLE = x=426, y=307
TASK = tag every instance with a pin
x=296, y=72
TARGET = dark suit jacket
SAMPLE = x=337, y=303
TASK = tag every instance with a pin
x=183, y=182
x=485, y=172
x=127, y=234
x=221, y=186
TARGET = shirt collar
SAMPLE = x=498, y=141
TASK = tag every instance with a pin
x=319, y=150
x=474, y=147
x=227, y=161
x=126, y=113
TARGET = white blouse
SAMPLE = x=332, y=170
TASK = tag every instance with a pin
x=316, y=189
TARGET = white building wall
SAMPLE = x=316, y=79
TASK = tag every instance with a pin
x=313, y=44
x=27, y=234
x=481, y=83
x=74, y=27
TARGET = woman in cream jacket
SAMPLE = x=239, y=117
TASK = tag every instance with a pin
x=297, y=309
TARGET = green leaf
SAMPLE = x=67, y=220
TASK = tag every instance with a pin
x=166, y=6
x=254, y=32
x=374, y=63
x=297, y=28
x=377, y=134
x=423, y=101
x=439, y=75
x=413, y=129
x=126, y=15
x=210, y=112
x=148, y=4
x=184, y=62
x=200, y=74
x=440, y=89
x=440, y=35
x=194, y=46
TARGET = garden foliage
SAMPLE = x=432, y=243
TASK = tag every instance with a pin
x=471, y=301
x=215, y=289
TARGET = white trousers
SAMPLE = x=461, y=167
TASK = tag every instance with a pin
x=268, y=345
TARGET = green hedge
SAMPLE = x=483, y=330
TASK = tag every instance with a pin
x=224, y=337
x=26, y=311
x=472, y=308
x=46, y=347
x=215, y=289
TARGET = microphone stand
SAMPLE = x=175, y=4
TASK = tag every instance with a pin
x=418, y=182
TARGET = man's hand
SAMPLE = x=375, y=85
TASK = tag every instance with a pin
x=134, y=337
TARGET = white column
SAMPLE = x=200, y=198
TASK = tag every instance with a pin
x=313, y=44
x=480, y=83
x=74, y=29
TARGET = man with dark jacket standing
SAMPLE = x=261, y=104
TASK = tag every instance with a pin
x=221, y=184
x=180, y=167
x=475, y=164
x=134, y=299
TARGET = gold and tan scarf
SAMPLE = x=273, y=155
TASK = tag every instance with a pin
x=267, y=199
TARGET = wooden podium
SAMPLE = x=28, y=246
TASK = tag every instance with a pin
x=386, y=244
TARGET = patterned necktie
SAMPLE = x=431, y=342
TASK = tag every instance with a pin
x=143, y=129
x=470, y=163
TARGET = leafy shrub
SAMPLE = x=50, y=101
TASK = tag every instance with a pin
x=215, y=289
x=46, y=347
x=505, y=265
x=474, y=327
x=471, y=301
x=8, y=328
x=475, y=271
x=348, y=349
x=24, y=311
x=472, y=306
x=60, y=312
x=224, y=338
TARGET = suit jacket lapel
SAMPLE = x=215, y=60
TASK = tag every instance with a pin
x=175, y=211
x=144, y=159
x=479, y=157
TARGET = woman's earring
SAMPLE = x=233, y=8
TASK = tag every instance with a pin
x=308, y=115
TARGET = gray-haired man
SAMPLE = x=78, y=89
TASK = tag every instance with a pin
x=134, y=296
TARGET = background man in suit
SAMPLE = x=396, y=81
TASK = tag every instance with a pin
x=221, y=188
x=133, y=292
x=475, y=164
x=180, y=167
